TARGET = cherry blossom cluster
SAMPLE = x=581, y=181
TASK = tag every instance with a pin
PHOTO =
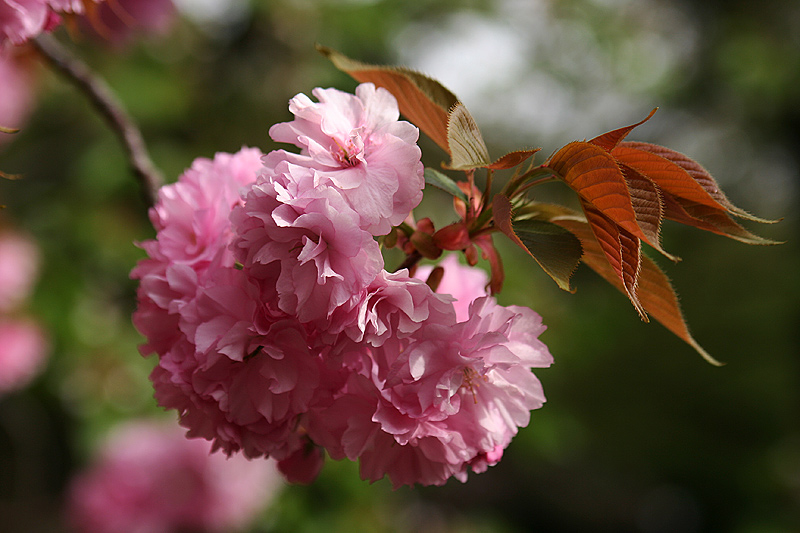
x=148, y=477
x=280, y=333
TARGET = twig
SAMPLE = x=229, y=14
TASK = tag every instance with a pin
x=104, y=100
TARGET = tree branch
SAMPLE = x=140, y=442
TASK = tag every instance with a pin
x=112, y=110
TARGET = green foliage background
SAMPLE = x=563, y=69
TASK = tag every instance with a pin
x=639, y=433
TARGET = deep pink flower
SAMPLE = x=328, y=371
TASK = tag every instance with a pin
x=303, y=238
x=193, y=232
x=237, y=369
x=360, y=147
x=23, y=352
x=451, y=401
x=19, y=266
x=464, y=283
x=149, y=478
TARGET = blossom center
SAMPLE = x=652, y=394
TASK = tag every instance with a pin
x=472, y=381
x=350, y=152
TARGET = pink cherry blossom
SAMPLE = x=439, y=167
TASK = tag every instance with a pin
x=19, y=266
x=305, y=240
x=237, y=369
x=23, y=352
x=360, y=147
x=193, y=232
x=451, y=401
x=149, y=478
x=464, y=283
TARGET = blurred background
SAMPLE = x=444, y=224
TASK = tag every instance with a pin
x=639, y=433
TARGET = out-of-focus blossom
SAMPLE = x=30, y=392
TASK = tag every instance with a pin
x=360, y=147
x=463, y=283
x=23, y=351
x=149, y=478
x=118, y=21
x=21, y=20
x=19, y=267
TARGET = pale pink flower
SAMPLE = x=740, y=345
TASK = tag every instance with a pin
x=23, y=352
x=19, y=267
x=360, y=147
x=464, y=283
x=304, y=239
x=149, y=478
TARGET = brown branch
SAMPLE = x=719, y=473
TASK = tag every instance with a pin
x=104, y=100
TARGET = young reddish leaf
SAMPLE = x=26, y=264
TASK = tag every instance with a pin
x=512, y=159
x=655, y=290
x=622, y=251
x=648, y=204
x=556, y=250
x=424, y=101
x=609, y=140
x=466, y=146
x=700, y=175
x=672, y=178
x=591, y=172
x=710, y=219
x=444, y=182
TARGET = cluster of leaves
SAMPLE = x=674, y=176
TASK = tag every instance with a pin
x=626, y=190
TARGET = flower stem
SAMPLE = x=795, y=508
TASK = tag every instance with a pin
x=104, y=100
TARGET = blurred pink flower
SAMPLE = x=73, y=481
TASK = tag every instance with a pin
x=360, y=147
x=23, y=351
x=119, y=21
x=21, y=20
x=19, y=267
x=149, y=478
x=464, y=283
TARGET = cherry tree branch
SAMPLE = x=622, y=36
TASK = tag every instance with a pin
x=112, y=110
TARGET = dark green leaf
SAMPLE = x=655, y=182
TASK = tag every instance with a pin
x=445, y=183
